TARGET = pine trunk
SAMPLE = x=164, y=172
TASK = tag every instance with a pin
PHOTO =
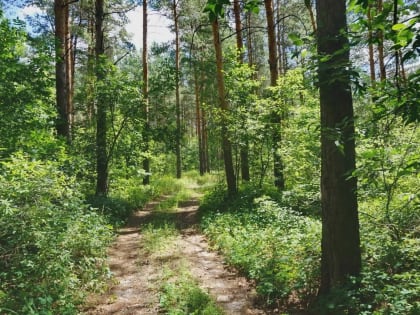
x=370, y=45
x=146, y=132
x=340, y=225
x=275, y=115
x=381, y=56
x=226, y=144
x=101, y=115
x=244, y=152
x=60, y=15
x=177, y=98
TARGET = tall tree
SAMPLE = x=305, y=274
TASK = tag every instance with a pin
x=340, y=225
x=370, y=45
x=177, y=97
x=101, y=115
x=380, y=37
x=61, y=17
x=240, y=46
x=275, y=115
x=146, y=160
x=224, y=106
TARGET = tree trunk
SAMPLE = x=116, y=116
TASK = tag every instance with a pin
x=381, y=57
x=60, y=20
x=146, y=132
x=308, y=4
x=275, y=115
x=226, y=144
x=279, y=42
x=198, y=123
x=90, y=85
x=177, y=98
x=206, y=161
x=249, y=45
x=244, y=156
x=370, y=45
x=340, y=225
x=69, y=56
x=101, y=116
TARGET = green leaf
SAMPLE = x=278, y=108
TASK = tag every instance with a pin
x=295, y=38
x=252, y=6
x=398, y=27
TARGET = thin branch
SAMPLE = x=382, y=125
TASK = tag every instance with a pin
x=122, y=57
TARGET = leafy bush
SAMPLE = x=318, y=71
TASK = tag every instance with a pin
x=52, y=246
x=270, y=243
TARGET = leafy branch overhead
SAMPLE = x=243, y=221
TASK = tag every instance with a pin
x=215, y=8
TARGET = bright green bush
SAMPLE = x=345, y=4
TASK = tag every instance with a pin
x=52, y=246
x=272, y=244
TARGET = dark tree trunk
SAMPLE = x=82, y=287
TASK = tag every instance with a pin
x=340, y=225
x=244, y=152
x=177, y=98
x=146, y=132
x=198, y=123
x=370, y=45
x=381, y=56
x=308, y=4
x=69, y=56
x=101, y=115
x=275, y=115
x=226, y=144
x=279, y=42
x=61, y=71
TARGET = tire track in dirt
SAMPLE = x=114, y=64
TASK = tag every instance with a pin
x=138, y=274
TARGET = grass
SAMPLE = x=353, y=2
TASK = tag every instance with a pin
x=158, y=236
x=180, y=294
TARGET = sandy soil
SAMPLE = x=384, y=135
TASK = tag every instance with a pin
x=137, y=274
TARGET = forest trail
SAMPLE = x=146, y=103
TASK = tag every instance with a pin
x=138, y=273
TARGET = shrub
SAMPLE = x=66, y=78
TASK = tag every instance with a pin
x=52, y=246
x=270, y=243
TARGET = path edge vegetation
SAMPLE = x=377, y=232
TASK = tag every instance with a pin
x=80, y=132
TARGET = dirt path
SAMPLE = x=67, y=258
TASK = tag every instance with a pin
x=138, y=274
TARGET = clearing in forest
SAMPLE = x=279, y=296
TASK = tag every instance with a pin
x=160, y=259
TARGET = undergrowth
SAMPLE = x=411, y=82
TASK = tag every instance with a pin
x=52, y=245
x=272, y=244
x=279, y=248
x=181, y=295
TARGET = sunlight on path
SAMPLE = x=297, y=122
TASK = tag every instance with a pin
x=138, y=275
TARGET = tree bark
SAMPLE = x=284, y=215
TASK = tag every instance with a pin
x=279, y=41
x=101, y=115
x=244, y=151
x=308, y=4
x=381, y=56
x=198, y=123
x=370, y=46
x=224, y=106
x=69, y=56
x=177, y=98
x=61, y=71
x=340, y=225
x=275, y=115
x=146, y=132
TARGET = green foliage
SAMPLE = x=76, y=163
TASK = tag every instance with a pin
x=52, y=246
x=26, y=105
x=215, y=8
x=272, y=244
x=183, y=296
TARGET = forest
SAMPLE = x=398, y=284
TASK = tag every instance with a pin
x=294, y=123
